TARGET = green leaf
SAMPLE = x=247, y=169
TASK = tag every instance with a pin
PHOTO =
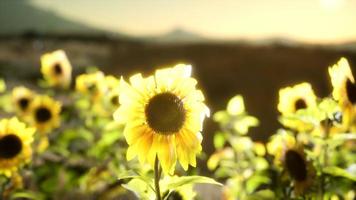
x=2, y=86
x=140, y=188
x=26, y=195
x=221, y=117
x=262, y=195
x=219, y=140
x=236, y=105
x=134, y=175
x=337, y=171
x=255, y=181
x=244, y=123
x=343, y=137
x=192, y=180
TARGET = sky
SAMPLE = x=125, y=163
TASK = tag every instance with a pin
x=314, y=21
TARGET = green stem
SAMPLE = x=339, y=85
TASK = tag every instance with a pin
x=157, y=172
x=325, y=158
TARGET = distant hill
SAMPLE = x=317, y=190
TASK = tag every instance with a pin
x=177, y=35
x=20, y=17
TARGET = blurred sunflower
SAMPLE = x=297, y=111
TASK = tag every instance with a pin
x=111, y=99
x=111, y=82
x=15, y=145
x=293, y=99
x=163, y=115
x=299, y=96
x=344, y=91
x=44, y=114
x=278, y=143
x=22, y=98
x=92, y=84
x=184, y=192
x=298, y=168
x=56, y=69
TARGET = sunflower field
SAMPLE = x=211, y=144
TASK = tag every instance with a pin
x=99, y=136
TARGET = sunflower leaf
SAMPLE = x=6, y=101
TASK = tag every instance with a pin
x=219, y=140
x=236, y=105
x=134, y=175
x=140, y=188
x=262, y=195
x=26, y=195
x=192, y=180
x=337, y=171
x=2, y=86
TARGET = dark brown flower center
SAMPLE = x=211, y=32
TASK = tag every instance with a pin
x=43, y=114
x=10, y=146
x=165, y=113
x=174, y=195
x=296, y=165
x=91, y=87
x=23, y=103
x=115, y=100
x=300, y=104
x=57, y=69
x=351, y=91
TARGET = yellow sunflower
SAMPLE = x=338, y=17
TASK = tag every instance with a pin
x=184, y=192
x=293, y=99
x=56, y=69
x=297, y=97
x=22, y=98
x=15, y=145
x=45, y=114
x=111, y=82
x=111, y=98
x=344, y=90
x=163, y=115
x=278, y=142
x=298, y=168
x=92, y=84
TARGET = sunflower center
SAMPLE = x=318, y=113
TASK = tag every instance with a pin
x=43, y=114
x=165, y=113
x=300, y=104
x=296, y=165
x=57, y=69
x=23, y=103
x=10, y=146
x=351, y=91
x=115, y=100
x=174, y=195
x=91, y=87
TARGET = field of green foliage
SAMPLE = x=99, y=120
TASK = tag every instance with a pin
x=98, y=136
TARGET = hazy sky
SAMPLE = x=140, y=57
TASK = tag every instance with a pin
x=305, y=20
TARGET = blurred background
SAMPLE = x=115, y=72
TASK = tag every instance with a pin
x=251, y=47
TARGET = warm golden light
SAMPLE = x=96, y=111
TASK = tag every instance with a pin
x=332, y=4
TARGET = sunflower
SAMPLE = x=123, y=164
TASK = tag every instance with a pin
x=111, y=98
x=44, y=114
x=92, y=84
x=15, y=145
x=299, y=96
x=163, y=115
x=293, y=99
x=56, y=69
x=184, y=192
x=282, y=140
x=298, y=168
x=111, y=82
x=344, y=90
x=22, y=98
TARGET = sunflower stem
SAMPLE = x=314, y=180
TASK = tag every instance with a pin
x=157, y=172
x=327, y=124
